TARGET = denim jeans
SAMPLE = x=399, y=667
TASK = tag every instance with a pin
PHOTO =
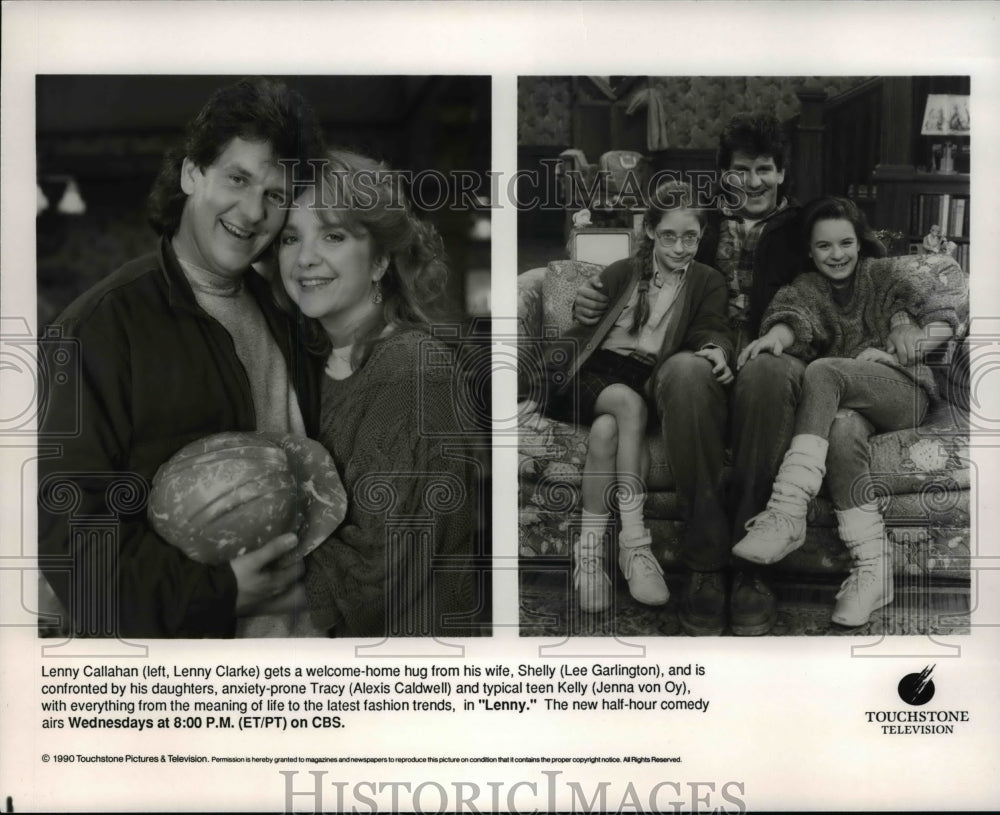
x=693, y=410
x=884, y=397
x=765, y=397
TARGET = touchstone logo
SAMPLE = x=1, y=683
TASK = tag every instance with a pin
x=918, y=688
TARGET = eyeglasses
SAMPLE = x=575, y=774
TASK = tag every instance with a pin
x=668, y=240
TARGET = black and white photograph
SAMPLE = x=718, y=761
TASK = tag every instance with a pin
x=263, y=315
x=744, y=396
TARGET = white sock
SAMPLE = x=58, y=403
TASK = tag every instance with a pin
x=815, y=447
x=800, y=475
x=630, y=510
x=862, y=524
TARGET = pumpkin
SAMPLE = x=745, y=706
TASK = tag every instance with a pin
x=228, y=494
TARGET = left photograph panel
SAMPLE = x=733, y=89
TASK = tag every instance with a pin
x=264, y=357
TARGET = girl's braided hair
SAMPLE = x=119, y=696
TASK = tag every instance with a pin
x=669, y=196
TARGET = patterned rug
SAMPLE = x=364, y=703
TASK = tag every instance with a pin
x=549, y=610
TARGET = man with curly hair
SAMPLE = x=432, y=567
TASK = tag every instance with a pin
x=176, y=345
x=753, y=238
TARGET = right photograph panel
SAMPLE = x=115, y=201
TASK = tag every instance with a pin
x=743, y=309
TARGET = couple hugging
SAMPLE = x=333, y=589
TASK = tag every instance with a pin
x=770, y=325
x=301, y=310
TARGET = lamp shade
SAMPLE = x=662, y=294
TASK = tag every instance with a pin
x=72, y=202
x=946, y=115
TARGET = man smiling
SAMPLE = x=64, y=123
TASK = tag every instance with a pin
x=233, y=207
x=176, y=345
x=755, y=244
x=758, y=179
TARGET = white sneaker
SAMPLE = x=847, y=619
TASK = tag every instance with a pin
x=867, y=588
x=591, y=582
x=771, y=535
x=644, y=574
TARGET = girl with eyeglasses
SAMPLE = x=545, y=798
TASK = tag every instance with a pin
x=667, y=320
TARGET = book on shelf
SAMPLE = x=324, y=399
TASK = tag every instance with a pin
x=962, y=256
x=958, y=217
x=950, y=212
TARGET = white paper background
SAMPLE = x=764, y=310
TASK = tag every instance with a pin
x=787, y=714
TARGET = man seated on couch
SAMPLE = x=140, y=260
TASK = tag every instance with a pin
x=756, y=245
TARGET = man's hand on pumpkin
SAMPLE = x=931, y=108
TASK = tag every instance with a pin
x=259, y=579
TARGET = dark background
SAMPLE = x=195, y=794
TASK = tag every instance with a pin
x=110, y=133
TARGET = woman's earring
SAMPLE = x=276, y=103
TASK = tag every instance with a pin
x=377, y=292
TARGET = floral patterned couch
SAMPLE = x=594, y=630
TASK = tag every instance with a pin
x=922, y=475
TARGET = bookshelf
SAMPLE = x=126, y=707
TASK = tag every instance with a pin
x=903, y=195
x=873, y=153
x=909, y=201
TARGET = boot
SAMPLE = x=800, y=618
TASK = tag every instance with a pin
x=869, y=585
x=590, y=580
x=781, y=528
x=641, y=570
x=702, y=611
x=753, y=608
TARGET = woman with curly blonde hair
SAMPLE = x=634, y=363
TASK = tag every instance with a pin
x=366, y=278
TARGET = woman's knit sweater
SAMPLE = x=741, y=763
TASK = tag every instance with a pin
x=402, y=558
x=928, y=288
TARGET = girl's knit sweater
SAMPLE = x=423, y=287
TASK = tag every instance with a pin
x=401, y=560
x=929, y=288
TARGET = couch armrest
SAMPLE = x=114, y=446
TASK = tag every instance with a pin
x=529, y=303
x=529, y=333
x=545, y=311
